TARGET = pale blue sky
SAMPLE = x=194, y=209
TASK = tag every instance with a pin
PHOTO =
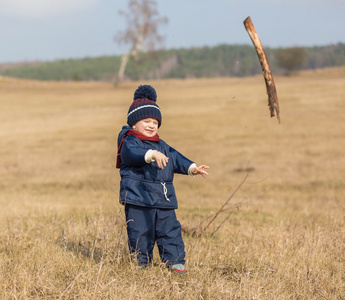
x=61, y=29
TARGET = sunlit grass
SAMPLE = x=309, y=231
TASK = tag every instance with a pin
x=63, y=231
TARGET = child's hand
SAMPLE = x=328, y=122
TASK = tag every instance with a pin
x=161, y=159
x=200, y=170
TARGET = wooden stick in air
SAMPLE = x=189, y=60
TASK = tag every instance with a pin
x=266, y=70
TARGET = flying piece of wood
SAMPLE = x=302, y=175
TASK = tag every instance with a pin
x=266, y=70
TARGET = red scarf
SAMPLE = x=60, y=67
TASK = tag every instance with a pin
x=140, y=136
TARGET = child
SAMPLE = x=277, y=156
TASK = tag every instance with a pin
x=147, y=166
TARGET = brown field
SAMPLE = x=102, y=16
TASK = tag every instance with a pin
x=63, y=234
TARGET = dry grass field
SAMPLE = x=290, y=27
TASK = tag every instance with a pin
x=62, y=230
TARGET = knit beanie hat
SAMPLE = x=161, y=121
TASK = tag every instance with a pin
x=144, y=106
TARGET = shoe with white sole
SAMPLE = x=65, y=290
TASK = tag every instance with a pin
x=178, y=268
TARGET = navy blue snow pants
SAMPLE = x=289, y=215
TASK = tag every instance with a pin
x=145, y=226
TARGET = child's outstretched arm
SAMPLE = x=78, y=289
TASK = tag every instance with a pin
x=200, y=170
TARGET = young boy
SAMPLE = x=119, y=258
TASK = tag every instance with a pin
x=147, y=166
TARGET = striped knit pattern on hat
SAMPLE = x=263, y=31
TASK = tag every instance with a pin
x=144, y=106
x=142, y=109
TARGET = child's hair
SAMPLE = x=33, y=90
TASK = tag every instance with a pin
x=144, y=106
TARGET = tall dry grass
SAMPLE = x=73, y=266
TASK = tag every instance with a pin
x=63, y=233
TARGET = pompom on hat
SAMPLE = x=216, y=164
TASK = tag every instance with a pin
x=144, y=106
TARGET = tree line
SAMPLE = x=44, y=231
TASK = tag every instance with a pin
x=218, y=61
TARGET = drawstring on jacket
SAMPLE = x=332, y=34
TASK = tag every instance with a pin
x=165, y=191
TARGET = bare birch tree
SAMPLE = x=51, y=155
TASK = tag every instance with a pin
x=141, y=33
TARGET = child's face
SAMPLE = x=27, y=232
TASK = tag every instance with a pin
x=148, y=127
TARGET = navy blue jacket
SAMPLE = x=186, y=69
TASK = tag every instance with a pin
x=145, y=184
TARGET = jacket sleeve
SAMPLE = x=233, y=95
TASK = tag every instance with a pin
x=180, y=162
x=132, y=153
